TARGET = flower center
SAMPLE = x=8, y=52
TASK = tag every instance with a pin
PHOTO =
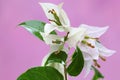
x=57, y=20
x=52, y=11
x=87, y=43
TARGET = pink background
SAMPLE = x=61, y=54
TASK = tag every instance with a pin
x=19, y=50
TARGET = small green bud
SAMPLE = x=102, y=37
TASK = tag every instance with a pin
x=87, y=37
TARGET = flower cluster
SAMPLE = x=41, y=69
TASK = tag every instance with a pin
x=84, y=39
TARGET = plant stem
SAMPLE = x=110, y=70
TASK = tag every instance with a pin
x=65, y=69
x=65, y=72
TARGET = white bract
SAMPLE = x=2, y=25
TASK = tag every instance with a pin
x=85, y=36
x=57, y=17
x=75, y=35
x=51, y=38
x=91, y=48
x=55, y=43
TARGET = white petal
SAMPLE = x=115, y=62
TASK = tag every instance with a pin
x=55, y=47
x=88, y=51
x=64, y=18
x=45, y=59
x=59, y=11
x=104, y=51
x=49, y=38
x=49, y=28
x=60, y=28
x=86, y=56
x=87, y=66
x=93, y=31
x=47, y=7
x=60, y=5
x=75, y=35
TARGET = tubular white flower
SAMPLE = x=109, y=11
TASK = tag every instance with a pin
x=89, y=52
x=87, y=66
x=49, y=39
x=91, y=48
x=75, y=35
x=94, y=32
x=104, y=51
x=49, y=28
x=55, y=47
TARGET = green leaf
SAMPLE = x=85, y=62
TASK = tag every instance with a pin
x=35, y=27
x=77, y=63
x=59, y=57
x=97, y=74
x=38, y=35
x=41, y=73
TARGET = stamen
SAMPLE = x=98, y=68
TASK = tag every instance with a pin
x=57, y=42
x=52, y=11
x=90, y=45
x=96, y=64
x=87, y=43
x=97, y=39
x=56, y=17
x=102, y=58
x=53, y=21
x=53, y=41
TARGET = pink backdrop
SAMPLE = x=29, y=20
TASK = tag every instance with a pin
x=19, y=50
